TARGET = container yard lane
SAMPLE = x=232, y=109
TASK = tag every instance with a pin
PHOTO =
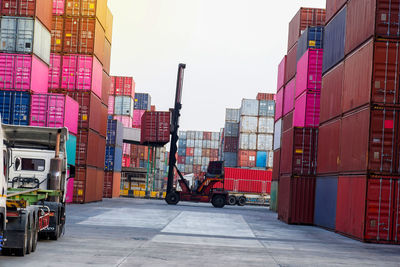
x=139, y=232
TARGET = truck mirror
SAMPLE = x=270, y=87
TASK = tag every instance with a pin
x=17, y=163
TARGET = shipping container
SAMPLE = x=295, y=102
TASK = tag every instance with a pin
x=90, y=149
x=109, y=25
x=123, y=106
x=231, y=129
x=249, y=107
x=279, y=104
x=332, y=7
x=306, y=111
x=299, y=151
x=369, y=141
x=296, y=199
x=265, y=96
x=26, y=36
x=142, y=101
x=273, y=201
x=105, y=89
x=87, y=8
x=124, y=86
x=262, y=157
x=328, y=156
x=331, y=93
x=23, y=73
x=276, y=165
x=41, y=9
x=114, y=133
x=110, y=108
x=309, y=72
x=107, y=57
x=267, y=108
x=305, y=17
x=85, y=185
x=57, y=32
x=231, y=144
x=288, y=101
x=155, y=127
x=137, y=118
x=265, y=125
x=125, y=120
x=232, y=115
x=287, y=121
x=71, y=149
x=291, y=64
x=277, y=134
x=113, y=159
x=311, y=38
x=112, y=184
x=54, y=110
x=248, y=141
x=368, y=208
x=264, y=142
x=15, y=107
x=58, y=7
x=246, y=158
x=248, y=124
x=334, y=40
x=325, y=202
x=281, y=73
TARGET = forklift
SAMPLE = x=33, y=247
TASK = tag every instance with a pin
x=203, y=191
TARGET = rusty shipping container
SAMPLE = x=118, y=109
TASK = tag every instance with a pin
x=328, y=156
x=369, y=141
x=296, y=198
x=86, y=185
x=368, y=208
x=304, y=18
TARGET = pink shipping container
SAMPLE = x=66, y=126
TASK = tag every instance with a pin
x=306, y=111
x=309, y=72
x=126, y=149
x=58, y=7
x=125, y=120
x=111, y=105
x=54, y=110
x=281, y=73
x=78, y=73
x=70, y=190
x=137, y=118
x=288, y=99
x=279, y=104
x=23, y=73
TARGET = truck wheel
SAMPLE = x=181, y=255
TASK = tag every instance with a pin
x=218, y=201
x=35, y=233
x=22, y=251
x=54, y=235
x=30, y=236
x=172, y=198
x=241, y=201
x=232, y=200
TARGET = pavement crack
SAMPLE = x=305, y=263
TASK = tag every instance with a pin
x=130, y=254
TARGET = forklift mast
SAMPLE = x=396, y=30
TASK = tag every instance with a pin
x=174, y=129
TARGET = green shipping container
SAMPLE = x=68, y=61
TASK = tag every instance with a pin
x=71, y=149
x=274, y=196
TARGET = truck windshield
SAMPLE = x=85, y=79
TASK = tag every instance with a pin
x=32, y=164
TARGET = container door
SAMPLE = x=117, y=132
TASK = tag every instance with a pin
x=379, y=209
x=25, y=35
x=396, y=214
x=8, y=34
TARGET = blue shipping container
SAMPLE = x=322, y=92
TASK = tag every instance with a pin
x=230, y=159
x=267, y=108
x=114, y=133
x=261, y=160
x=181, y=152
x=312, y=37
x=334, y=41
x=71, y=149
x=142, y=101
x=325, y=202
x=113, y=159
x=182, y=143
x=15, y=107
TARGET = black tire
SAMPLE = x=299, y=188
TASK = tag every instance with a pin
x=22, y=251
x=172, y=198
x=232, y=200
x=6, y=251
x=54, y=235
x=218, y=201
x=35, y=233
x=30, y=235
x=241, y=201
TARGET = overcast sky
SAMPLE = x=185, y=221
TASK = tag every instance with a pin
x=231, y=48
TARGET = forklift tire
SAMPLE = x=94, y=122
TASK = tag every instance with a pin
x=232, y=200
x=218, y=201
x=172, y=198
x=241, y=201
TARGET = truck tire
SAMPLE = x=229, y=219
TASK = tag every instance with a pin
x=232, y=200
x=22, y=251
x=218, y=201
x=241, y=201
x=172, y=198
x=35, y=232
x=30, y=234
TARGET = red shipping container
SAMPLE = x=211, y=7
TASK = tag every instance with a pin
x=189, y=152
x=369, y=141
x=42, y=9
x=126, y=161
x=276, y=167
x=89, y=150
x=298, y=151
x=205, y=152
x=368, y=208
x=304, y=18
x=291, y=64
x=331, y=93
x=328, y=156
x=124, y=86
x=287, y=122
x=99, y=184
x=279, y=103
x=85, y=185
x=231, y=144
x=281, y=73
x=155, y=127
x=247, y=158
x=112, y=87
x=206, y=135
x=152, y=108
x=214, y=153
x=332, y=7
x=296, y=198
x=371, y=75
x=265, y=96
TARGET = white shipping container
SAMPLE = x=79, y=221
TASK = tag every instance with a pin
x=248, y=124
x=123, y=106
x=249, y=107
x=182, y=135
x=199, y=135
x=264, y=142
x=215, y=136
x=197, y=151
x=277, y=134
x=214, y=144
x=205, y=161
x=198, y=143
x=270, y=159
x=208, y=145
x=190, y=143
x=232, y=115
x=204, y=144
x=248, y=141
x=42, y=42
x=190, y=135
x=266, y=125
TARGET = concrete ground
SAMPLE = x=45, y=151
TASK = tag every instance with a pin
x=137, y=232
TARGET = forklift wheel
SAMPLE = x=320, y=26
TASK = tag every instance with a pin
x=172, y=198
x=218, y=201
x=242, y=201
x=232, y=200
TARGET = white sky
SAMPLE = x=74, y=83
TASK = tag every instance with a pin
x=231, y=48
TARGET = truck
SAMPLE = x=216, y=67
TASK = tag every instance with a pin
x=32, y=185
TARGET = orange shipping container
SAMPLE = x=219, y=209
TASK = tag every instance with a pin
x=87, y=8
x=99, y=184
x=109, y=25
x=85, y=185
x=57, y=34
x=107, y=56
x=247, y=158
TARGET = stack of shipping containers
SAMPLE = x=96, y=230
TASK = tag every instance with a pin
x=358, y=184
x=79, y=68
x=231, y=137
x=196, y=149
x=296, y=120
